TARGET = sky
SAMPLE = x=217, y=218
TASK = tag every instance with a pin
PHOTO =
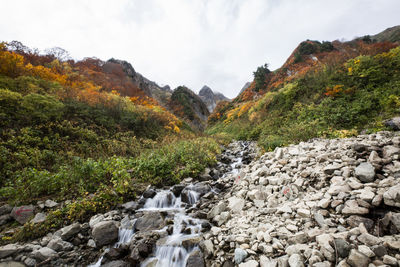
x=219, y=43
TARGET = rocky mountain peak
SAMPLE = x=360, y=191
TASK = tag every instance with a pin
x=210, y=98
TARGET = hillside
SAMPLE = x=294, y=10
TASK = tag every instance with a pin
x=322, y=90
x=69, y=129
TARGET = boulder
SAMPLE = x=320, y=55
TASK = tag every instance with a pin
x=45, y=253
x=296, y=261
x=357, y=259
x=22, y=214
x=392, y=196
x=195, y=259
x=5, y=209
x=58, y=245
x=240, y=255
x=393, y=123
x=105, y=233
x=365, y=172
x=236, y=204
x=9, y=250
x=150, y=221
x=216, y=210
x=69, y=231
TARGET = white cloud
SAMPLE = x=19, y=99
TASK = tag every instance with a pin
x=214, y=42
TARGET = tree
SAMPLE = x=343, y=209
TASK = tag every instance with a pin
x=259, y=77
x=59, y=53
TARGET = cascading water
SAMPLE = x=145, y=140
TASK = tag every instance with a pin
x=125, y=234
x=172, y=252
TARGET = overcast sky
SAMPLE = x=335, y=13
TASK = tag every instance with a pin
x=191, y=42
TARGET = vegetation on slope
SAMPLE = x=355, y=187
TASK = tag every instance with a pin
x=329, y=100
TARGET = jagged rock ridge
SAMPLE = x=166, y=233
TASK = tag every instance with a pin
x=210, y=98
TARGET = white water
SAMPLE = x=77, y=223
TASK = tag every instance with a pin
x=172, y=253
x=125, y=234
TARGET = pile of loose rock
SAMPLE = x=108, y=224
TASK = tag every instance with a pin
x=318, y=203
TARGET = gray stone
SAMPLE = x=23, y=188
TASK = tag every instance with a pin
x=207, y=248
x=130, y=206
x=250, y=263
x=117, y=263
x=392, y=261
x=8, y=250
x=331, y=168
x=351, y=207
x=5, y=219
x=195, y=259
x=379, y=250
x=58, y=245
x=95, y=219
x=69, y=231
x=216, y=210
x=150, y=221
x=50, y=203
x=366, y=251
x=11, y=264
x=365, y=172
x=390, y=151
x=368, y=239
x=105, y=233
x=266, y=262
x=240, y=255
x=357, y=259
x=236, y=204
x=393, y=123
x=44, y=253
x=296, y=261
x=392, y=196
x=5, y=209
x=22, y=214
x=39, y=218
x=343, y=247
x=30, y=262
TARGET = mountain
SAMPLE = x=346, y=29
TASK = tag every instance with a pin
x=210, y=98
x=245, y=86
x=324, y=89
x=189, y=106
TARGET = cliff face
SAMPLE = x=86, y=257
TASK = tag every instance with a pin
x=210, y=98
x=189, y=106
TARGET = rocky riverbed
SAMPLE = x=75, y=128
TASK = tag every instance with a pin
x=319, y=203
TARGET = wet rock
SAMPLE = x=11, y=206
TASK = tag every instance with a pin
x=70, y=230
x=22, y=214
x=240, y=255
x=177, y=189
x=150, y=221
x=195, y=259
x=105, y=233
x=115, y=254
x=365, y=172
x=150, y=193
x=117, y=263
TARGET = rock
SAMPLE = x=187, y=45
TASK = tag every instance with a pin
x=303, y=213
x=50, y=203
x=392, y=196
x=150, y=221
x=266, y=262
x=207, y=247
x=69, y=231
x=343, y=247
x=331, y=168
x=8, y=250
x=368, y=239
x=95, y=219
x=105, y=233
x=130, y=206
x=150, y=193
x=236, y=204
x=177, y=189
x=30, y=262
x=195, y=259
x=379, y=250
x=351, y=207
x=296, y=261
x=365, y=172
x=392, y=261
x=240, y=255
x=284, y=209
x=91, y=243
x=216, y=210
x=5, y=219
x=5, y=209
x=45, y=253
x=117, y=263
x=250, y=263
x=22, y=214
x=357, y=259
x=366, y=251
x=58, y=245
x=354, y=221
x=39, y=218
x=390, y=151
x=393, y=123
x=12, y=264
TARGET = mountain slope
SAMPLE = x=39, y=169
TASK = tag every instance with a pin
x=327, y=89
x=210, y=98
